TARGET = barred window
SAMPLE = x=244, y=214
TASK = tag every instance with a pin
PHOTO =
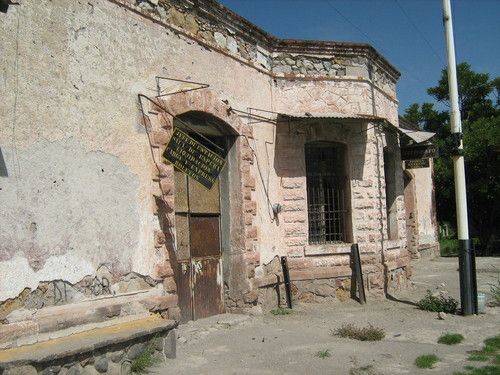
x=326, y=180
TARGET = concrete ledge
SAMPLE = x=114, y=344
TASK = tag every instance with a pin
x=29, y=326
x=84, y=342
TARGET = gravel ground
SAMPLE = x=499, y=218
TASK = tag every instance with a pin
x=268, y=344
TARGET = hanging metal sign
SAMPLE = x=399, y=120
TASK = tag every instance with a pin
x=194, y=159
x=417, y=163
x=419, y=152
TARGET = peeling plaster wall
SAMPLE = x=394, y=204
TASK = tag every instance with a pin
x=66, y=211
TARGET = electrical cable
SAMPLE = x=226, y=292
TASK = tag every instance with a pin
x=440, y=58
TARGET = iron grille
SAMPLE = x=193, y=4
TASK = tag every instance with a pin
x=325, y=192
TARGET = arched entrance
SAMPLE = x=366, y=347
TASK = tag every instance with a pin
x=202, y=222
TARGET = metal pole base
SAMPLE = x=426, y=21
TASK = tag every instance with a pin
x=467, y=272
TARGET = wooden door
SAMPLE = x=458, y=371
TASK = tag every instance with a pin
x=199, y=267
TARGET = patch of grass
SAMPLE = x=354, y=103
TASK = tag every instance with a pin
x=143, y=361
x=323, y=354
x=478, y=356
x=489, y=353
x=426, y=361
x=492, y=344
x=486, y=370
x=281, y=311
x=368, y=333
x=363, y=370
x=451, y=339
x=438, y=304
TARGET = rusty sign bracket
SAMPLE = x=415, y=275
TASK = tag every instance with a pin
x=163, y=92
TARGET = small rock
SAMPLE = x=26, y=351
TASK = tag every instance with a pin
x=126, y=368
x=182, y=340
x=21, y=370
x=75, y=370
x=441, y=315
x=232, y=45
x=170, y=344
x=101, y=365
x=51, y=370
x=116, y=356
x=89, y=370
x=135, y=350
x=220, y=39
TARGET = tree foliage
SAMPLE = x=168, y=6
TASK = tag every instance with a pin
x=479, y=101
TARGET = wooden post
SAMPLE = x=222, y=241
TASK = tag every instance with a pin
x=357, y=273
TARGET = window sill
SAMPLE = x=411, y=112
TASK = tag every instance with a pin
x=328, y=249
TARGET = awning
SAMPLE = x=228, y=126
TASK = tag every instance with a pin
x=417, y=136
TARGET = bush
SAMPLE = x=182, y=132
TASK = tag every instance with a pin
x=369, y=333
x=426, y=361
x=438, y=304
x=451, y=339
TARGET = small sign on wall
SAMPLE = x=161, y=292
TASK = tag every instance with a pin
x=417, y=163
x=419, y=152
x=194, y=159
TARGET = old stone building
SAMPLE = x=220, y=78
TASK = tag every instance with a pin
x=97, y=229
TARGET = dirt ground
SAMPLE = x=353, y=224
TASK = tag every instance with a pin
x=268, y=344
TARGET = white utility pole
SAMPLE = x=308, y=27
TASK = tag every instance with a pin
x=468, y=292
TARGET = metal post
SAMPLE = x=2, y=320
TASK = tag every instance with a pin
x=467, y=276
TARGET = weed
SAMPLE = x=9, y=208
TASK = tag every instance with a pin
x=478, y=356
x=451, y=339
x=143, y=361
x=486, y=370
x=438, y=304
x=495, y=292
x=426, y=361
x=369, y=333
x=323, y=354
x=492, y=344
x=281, y=311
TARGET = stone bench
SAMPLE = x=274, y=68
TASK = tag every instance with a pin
x=109, y=350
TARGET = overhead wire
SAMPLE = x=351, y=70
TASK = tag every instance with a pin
x=345, y=18
x=436, y=54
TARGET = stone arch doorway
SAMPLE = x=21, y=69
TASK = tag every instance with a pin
x=202, y=218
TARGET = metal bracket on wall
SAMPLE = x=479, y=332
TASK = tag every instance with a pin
x=180, y=87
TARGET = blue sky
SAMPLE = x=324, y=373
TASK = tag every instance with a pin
x=409, y=33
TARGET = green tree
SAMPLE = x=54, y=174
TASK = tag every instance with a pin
x=481, y=128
